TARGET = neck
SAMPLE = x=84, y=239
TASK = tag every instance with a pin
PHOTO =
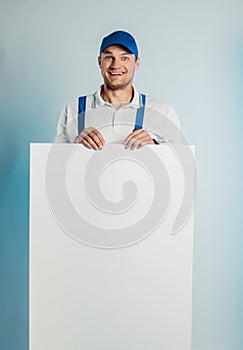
x=119, y=97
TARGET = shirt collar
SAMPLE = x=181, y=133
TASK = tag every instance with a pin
x=98, y=100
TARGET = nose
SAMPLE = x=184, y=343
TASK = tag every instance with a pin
x=115, y=63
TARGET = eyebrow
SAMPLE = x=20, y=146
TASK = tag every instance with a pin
x=123, y=53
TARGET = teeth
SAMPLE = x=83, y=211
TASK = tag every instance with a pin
x=116, y=73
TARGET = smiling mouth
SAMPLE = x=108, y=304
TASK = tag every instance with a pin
x=116, y=73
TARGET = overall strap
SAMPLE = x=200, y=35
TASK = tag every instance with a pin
x=140, y=113
x=82, y=108
x=81, y=113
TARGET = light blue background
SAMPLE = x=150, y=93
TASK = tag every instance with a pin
x=192, y=57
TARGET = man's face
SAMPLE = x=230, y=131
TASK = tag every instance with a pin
x=118, y=67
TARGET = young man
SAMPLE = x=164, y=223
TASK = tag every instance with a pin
x=117, y=112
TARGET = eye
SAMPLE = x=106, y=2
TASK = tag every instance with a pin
x=108, y=58
x=125, y=58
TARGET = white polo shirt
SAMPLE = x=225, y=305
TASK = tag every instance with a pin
x=160, y=119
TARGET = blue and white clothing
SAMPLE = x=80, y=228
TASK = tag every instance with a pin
x=160, y=119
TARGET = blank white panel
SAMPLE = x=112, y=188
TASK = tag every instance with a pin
x=133, y=297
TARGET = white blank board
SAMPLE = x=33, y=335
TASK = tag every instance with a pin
x=83, y=296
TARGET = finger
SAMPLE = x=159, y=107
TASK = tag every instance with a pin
x=86, y=144
x=139, y=142
x=100, y=136
x=95, y=139
x=139, y=135
x=87, y=140
x=91, y=137
x=135, y=144
x=144, y=142
x=132, y=144
x=99, y=140
x=133, y=134
x=87, y=131
x=95, y=135
x=143, y=135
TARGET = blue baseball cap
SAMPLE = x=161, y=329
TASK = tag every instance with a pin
x=120, y=38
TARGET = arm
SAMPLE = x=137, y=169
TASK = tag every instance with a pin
x=173, y=132
x=61, y=136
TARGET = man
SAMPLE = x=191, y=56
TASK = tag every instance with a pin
x=117, y=112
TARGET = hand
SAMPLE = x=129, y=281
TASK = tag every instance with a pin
x=90, y=138
x=138, y=139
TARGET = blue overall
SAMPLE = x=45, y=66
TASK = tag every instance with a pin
x=82, y=108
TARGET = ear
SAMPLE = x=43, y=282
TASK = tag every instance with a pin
x=99, y=61
x=137, y=63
